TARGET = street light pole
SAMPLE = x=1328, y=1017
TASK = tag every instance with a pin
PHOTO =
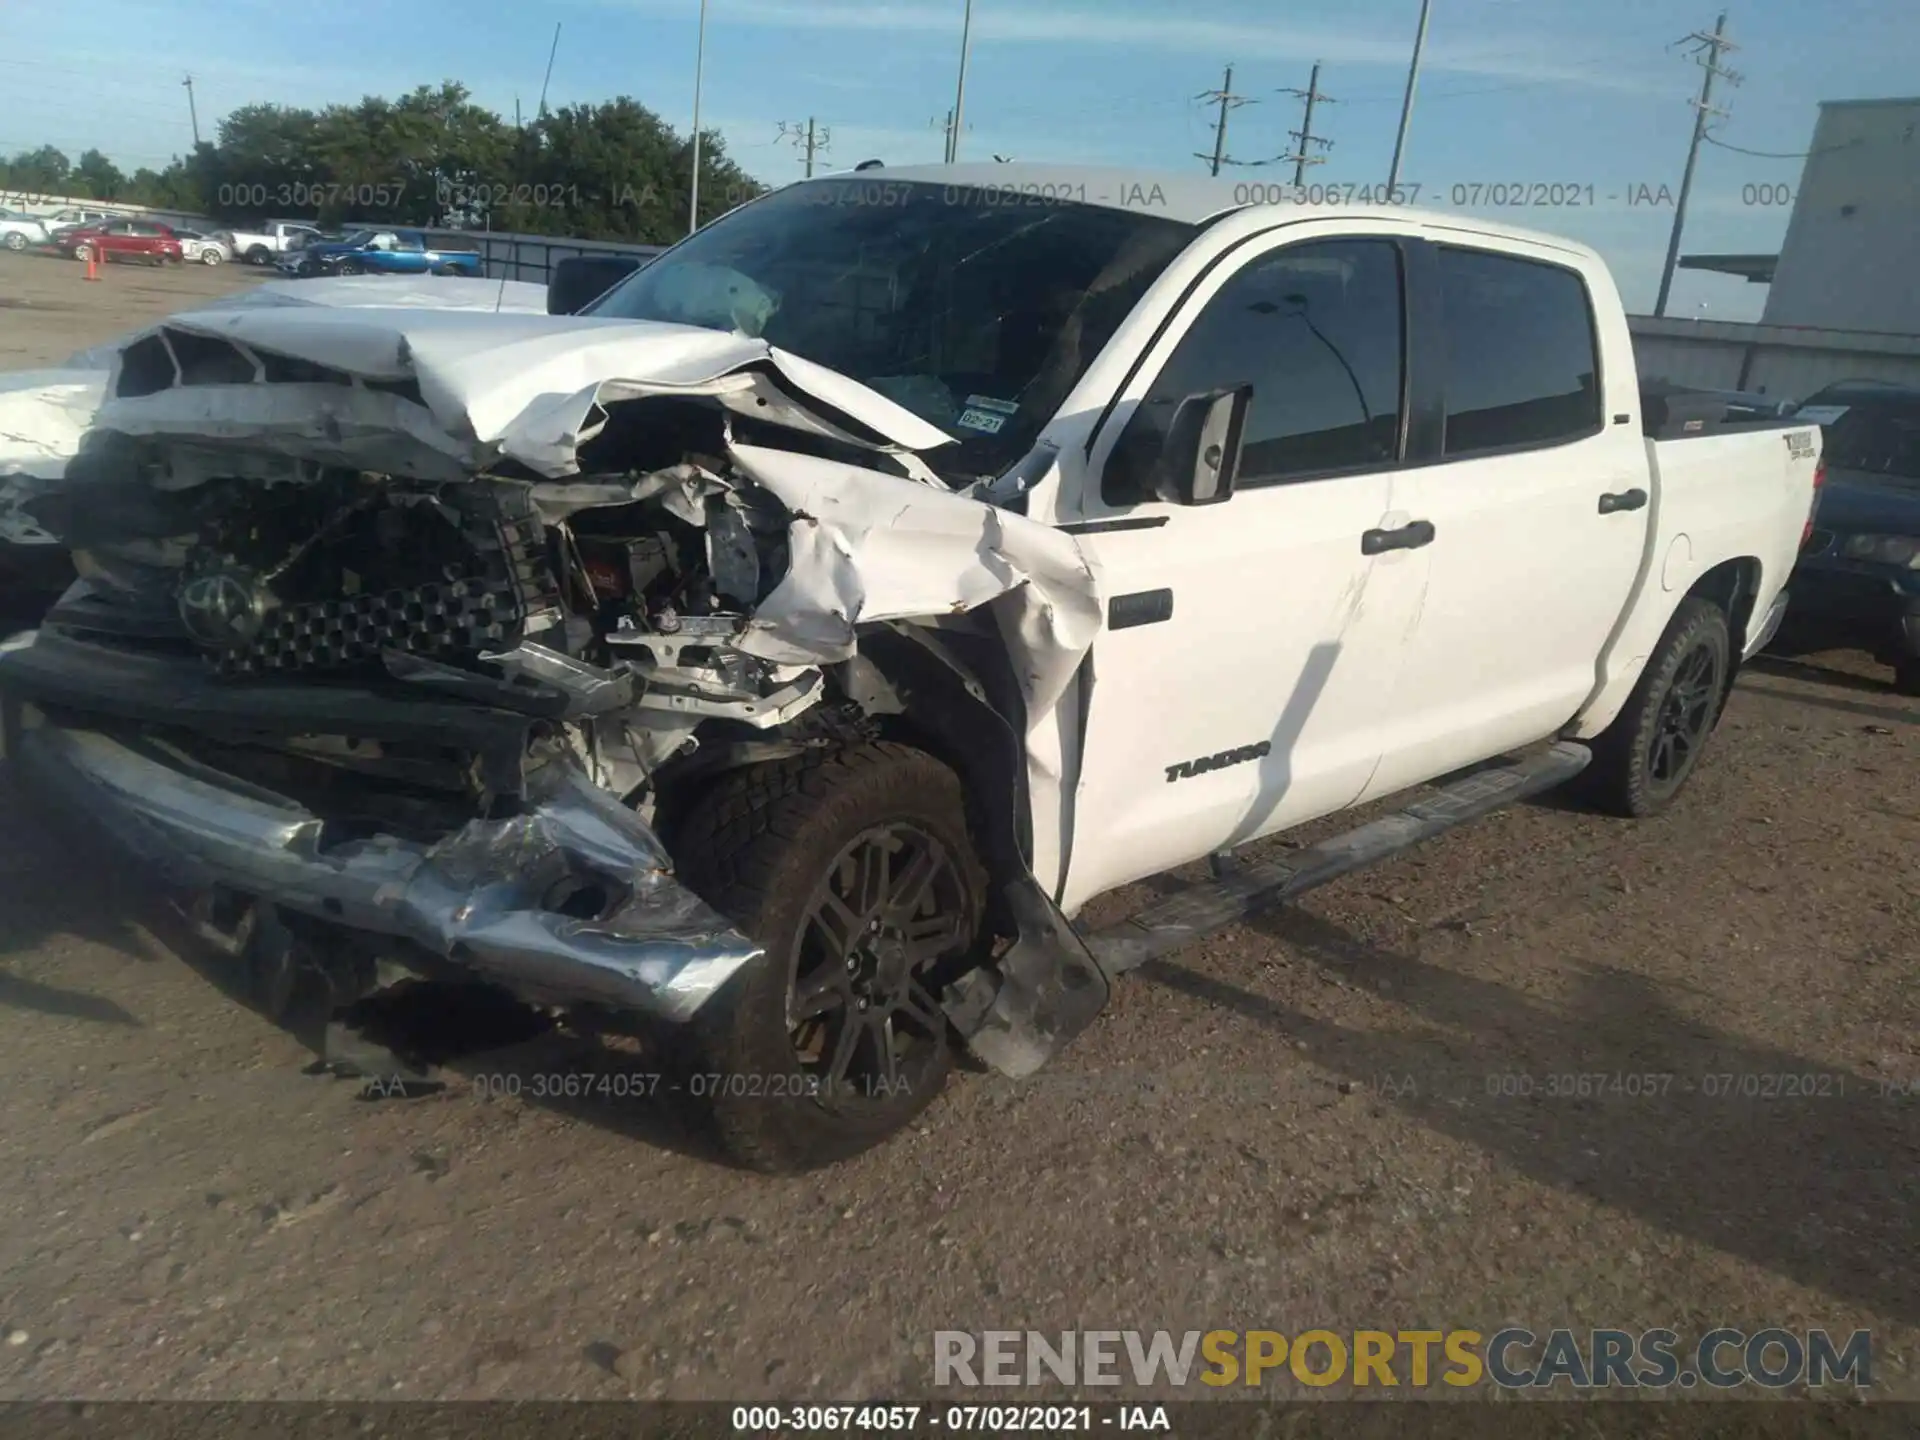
x=960, y=94
x=699, y=65
x=1406, y=105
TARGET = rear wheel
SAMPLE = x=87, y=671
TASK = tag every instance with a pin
x=258, y=255
x=857, y=874
x=1906, y=675
x=16, y=241
x=1645, y=757
x=83, y=253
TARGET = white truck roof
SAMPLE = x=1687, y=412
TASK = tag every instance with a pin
x=1192, y=199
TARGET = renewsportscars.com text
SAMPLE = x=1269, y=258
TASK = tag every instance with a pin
x=1512, y=1358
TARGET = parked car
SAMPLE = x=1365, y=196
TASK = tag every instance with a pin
x=259, y=247
x=18, y=230
x=145, y=240
x=774, y=657
x=201, y=248
x=73, y=216
x=390, y=252
x=1858, y=577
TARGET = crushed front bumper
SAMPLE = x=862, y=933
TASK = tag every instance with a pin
x=487, y=898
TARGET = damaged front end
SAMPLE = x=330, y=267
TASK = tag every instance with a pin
x=431, y=656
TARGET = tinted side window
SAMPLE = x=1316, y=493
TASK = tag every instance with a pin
x=1316, y=329
x=1522, y=366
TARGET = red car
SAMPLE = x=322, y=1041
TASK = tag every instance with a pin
x=122, y=240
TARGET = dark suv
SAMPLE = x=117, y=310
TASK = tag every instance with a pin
x=1859, y=573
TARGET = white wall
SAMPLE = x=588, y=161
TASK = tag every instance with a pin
x=1788, y=364
x=33, y=203
x=1851, y=258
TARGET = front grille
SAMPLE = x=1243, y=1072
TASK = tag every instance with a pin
x=455, y=617
x=507, y=592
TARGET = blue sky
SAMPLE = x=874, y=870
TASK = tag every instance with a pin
x=1513, y=92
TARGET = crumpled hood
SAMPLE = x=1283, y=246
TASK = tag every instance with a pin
x=525, y=387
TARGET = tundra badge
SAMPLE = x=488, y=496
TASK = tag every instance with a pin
x=1187, y=769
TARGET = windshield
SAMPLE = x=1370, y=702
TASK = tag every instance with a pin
x=977, y=310
x=360, y=237
x=1877, y=437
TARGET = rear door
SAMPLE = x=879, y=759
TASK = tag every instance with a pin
x=117, y=237
x=1539, y=501
x=1237, y=687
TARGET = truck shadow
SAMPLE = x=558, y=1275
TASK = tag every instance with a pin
x=1820, y=1188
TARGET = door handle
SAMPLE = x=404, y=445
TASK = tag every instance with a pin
x=1407, y=537
x=1625, y=500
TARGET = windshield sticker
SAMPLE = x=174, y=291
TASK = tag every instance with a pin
x=984, y=421
x=987, y=402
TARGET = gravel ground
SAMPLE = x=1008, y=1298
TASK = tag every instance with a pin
x=48, y=308
x=1291, y=1126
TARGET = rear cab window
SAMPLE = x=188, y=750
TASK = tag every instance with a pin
x=1523, y=355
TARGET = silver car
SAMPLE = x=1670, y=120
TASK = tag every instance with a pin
x=200, y=248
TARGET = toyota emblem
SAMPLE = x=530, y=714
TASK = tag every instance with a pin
x=222, y=609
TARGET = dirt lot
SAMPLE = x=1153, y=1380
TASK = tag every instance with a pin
x=1296, y=1125
x=48, y=309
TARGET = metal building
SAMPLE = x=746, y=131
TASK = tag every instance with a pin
x=1851, y=258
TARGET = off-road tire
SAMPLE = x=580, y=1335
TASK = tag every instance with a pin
x=1621, y=780
x=755, y=847
x=259, y=255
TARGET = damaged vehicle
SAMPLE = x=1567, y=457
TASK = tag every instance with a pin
x=776, y=657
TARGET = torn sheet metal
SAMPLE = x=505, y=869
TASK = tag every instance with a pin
x=358, y=292
x=43, y=414
x=487, y=897
x=868, y=547
x=532, y=387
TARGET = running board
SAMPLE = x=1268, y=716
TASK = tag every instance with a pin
x=1239, y=891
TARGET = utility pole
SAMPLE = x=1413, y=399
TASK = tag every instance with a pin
x=809, y=140
x=1707, y=50
x=1303, y=156
x=960, y=92
x=1227, y=101
x=193, y=111
x=699, y=65
x=540, y=110
x=1406, y=105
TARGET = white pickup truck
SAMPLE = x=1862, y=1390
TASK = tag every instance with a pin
x=775, y=659
x=258, y=247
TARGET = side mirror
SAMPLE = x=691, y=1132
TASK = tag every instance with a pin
x=1201, y=457
x=579, y=280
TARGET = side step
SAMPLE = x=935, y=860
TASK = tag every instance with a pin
x=1239, y=891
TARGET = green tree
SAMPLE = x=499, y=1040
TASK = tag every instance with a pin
x=44, y=171
x=97, y=177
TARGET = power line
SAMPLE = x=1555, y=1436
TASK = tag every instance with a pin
x=1778, y=154
x=1228, y=102
x=1707, y=50
x=1303, y=155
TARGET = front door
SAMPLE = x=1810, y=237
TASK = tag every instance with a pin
x=1236, y=688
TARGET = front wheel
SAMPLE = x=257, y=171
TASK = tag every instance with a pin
x=1906, y=675
x=857, y=874
x=211, y=256
x=16, y=241
x=1644, y=758
x=349, y=267
x=83, y=253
